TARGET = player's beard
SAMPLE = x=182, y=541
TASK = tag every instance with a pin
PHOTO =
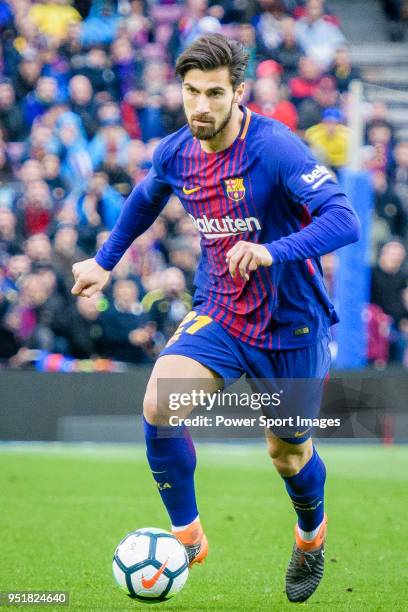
x=204, y=132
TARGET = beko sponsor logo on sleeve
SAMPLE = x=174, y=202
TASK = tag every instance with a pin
x=318, y=176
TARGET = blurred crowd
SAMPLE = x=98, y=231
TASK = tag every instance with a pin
x=87, y=89
x=396, y=12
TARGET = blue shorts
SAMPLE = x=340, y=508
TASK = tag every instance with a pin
x=206, y=341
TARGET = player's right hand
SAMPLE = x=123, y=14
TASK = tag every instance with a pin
x=89, y=277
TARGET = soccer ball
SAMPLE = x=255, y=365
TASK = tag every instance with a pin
x=150, y=565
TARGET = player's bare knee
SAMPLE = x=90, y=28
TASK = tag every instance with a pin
x=157, y=410
x=288, y=459
x=155, y=413
x=277, y=448
x=287, y=465
x=149, y=408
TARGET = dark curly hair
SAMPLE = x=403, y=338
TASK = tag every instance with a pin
x=211, y=52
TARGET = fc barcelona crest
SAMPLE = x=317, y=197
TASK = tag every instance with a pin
x=235, y=188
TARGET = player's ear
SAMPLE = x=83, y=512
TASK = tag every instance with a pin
x=239, y=92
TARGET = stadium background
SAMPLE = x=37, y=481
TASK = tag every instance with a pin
x=86, y=91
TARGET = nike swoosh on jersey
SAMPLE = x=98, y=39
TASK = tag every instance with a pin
x=148, y=583
x=188, y=190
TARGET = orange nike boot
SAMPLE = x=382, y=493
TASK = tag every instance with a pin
x=194, y=541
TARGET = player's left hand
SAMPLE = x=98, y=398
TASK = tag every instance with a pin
x=247, y=257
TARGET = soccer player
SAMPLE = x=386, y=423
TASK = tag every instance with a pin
x=266, y=210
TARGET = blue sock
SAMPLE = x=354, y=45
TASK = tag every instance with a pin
x=172, y=459
x=306, y=490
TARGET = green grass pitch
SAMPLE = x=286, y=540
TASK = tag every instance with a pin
x=64, y=509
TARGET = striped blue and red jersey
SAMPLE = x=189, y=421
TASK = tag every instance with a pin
x=265, y=188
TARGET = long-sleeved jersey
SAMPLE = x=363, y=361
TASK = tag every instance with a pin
x=265, y=188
